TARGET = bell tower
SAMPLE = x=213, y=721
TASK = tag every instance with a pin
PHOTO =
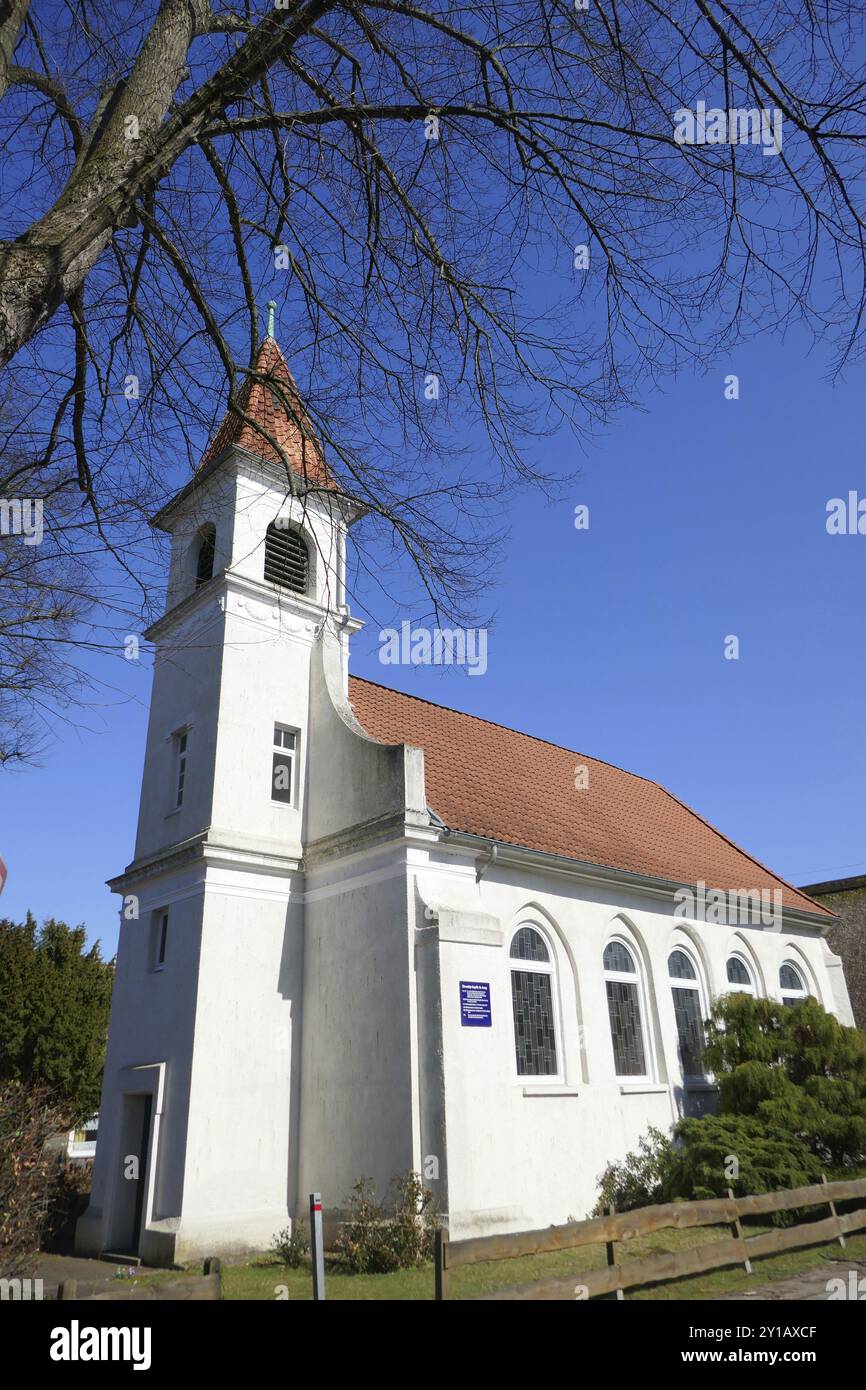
x=200, y=1096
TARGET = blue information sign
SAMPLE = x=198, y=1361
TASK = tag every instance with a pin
x=475, y=1004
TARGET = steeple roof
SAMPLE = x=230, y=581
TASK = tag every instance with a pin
x=294, y=433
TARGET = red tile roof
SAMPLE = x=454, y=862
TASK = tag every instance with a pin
x=295, y=435
x=488, y=780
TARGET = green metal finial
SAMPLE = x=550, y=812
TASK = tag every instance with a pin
x=272, y=305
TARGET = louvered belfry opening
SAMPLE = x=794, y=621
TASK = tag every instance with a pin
x=287, y=560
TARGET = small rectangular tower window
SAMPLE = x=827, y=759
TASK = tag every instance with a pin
x=283, y=770
x=180, y=745
x=160, y=939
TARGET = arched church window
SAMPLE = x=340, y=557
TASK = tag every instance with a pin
x=739, y=976
x=287, y=560
x=792, y=985
x=688, y=1013
x=622, y=984
x=533, y=1003
x=205, y=557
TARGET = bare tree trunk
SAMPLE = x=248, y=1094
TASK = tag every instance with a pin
x=12, y=16
x=40, y=270
x=131, y=148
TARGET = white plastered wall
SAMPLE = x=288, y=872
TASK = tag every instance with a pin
x=528, y=1151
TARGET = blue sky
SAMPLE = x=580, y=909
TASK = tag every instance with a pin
x=707, y=518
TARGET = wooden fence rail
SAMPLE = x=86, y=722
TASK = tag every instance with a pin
x=617, y=1227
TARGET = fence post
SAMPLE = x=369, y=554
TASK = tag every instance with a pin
x=737, y=1230
x=611, y=1251
x=67, y=1289
x=832, y=1205
x=440, y=1256
x=316, y=1247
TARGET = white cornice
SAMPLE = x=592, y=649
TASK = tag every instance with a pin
x=208, y=854
x=266, y=604
x=520, y=856
x=356, y=841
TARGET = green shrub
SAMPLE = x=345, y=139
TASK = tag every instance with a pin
x=792, y=1103
x=767, y=1159
x=395, y=1234
x=637, y=1180
x=291, y=1245
x=797, y=1070
x=54, y=1009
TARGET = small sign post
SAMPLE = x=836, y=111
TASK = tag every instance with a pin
x=317, y=1250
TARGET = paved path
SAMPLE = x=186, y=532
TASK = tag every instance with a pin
x=99, y=1279
x=94, y=1276
x=814, y=1284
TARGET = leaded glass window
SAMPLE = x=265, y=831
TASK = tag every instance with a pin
x=528, y=945
x=532, y=1001
x=534, y=1037
x=690, y=1031
x=792, y=985
x=738, y=975
x=688, y=1013
x=618, y=957
x=624, y=1009
x=681, y=967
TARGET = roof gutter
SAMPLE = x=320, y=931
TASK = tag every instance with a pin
x=484, y=861
x=496, y=851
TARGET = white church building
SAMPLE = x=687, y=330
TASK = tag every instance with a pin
x=362, y=933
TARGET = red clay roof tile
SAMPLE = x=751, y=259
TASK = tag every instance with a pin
x=296, y=436
x=489, y=780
